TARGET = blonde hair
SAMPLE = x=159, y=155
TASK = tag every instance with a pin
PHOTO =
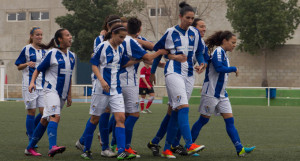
x=31, y=33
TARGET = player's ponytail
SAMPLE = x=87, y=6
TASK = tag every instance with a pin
x=54, y=43
x=114, y=29
x=217, y=39
x=184, y=7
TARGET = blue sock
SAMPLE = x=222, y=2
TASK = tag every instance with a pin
x=52, y=133
x=129, y=124
x=111, y=123
x=37, y=135
x=162, y=130
x=233, y=134
x=120, y=137
x=37, y=119
x=198, y=126
x=89, y=133
x=113, y=138
x=177, y=139
x=30, y=125
x=172, y=129
x=103, y=128
x=184, y=126
x=81, y=140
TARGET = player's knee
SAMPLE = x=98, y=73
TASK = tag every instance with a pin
x=151, y=98
x=94, y=119
x=31, y=112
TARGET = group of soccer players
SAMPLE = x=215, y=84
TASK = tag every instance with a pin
x=117, y=53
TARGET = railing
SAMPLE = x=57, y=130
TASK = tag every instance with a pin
x=7, y=86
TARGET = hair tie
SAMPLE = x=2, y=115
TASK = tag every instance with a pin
x=31, y=32
x=122, y=27
x=116, y=20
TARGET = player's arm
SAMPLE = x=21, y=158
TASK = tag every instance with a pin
x=143, y=77
x=217, y=63
x=33, y=78
x=131, y=62
x=180, y=57
x=21, y=61
x=146, y=44
x=104, y=84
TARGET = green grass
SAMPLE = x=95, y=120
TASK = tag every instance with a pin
x=274, y=130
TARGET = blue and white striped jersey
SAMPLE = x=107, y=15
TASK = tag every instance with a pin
x=179, y=41
x=29, y=53
x=216, y=75
x=132, y=50
x=58, y=68
x=108, y=60
x=98, y=41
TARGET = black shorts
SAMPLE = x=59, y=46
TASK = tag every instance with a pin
x=144, y=91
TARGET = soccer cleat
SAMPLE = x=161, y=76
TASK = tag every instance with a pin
x=148, y=111
x=179, y=149
x=245, y=151
x=108, y=153
x=168, y=154
x=99, y=138
x=56, y=149
x=125, y=155
x=143, y=111
x=32, y=152
x=79, y=146
x=87, y=155
x=131, y=151
x=196, y=155
x=194, y=148
x=114, y=148
x=154, y=148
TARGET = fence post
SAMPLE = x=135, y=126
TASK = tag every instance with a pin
x=7, y=91
x=268, y=96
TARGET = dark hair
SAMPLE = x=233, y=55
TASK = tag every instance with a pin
x=110, y=21
x=134, y=26
x=114, y=29
x=31, y=33
x=196, y=21
x=54, y=41
x=217, y=38
x=184, y=7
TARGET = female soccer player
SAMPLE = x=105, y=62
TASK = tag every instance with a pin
x=179, y=76
x=29, y=58
x=107, y=90
x=214, y=99
x=58, y=65
x=128, y=76
x=176, y=147
x=145, y=87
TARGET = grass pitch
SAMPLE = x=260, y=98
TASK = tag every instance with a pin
x=275, y=131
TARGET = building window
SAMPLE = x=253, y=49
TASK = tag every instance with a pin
x=18, y=16
x=160, y=12
x=38, y=16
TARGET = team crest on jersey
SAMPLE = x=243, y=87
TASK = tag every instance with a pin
x=192, y=38
x=137, y=105
x=54, y=108
x=178, y=98
x=72, y=60
x=93, y=108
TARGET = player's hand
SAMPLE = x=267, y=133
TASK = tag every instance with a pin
x=103, y=32
x=200, y=69
x=180, y=58
x=31, y=87
x=31, y=64
x=237, y=72
x=152, y=79
x=149, y=87
x=69, y=101
x=104, y=85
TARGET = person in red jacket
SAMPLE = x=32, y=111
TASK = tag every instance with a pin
x=145, y=87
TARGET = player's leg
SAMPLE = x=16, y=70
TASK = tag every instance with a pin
x=150, y=100
x=142, y=92
x=30, y=106
x=225, y=109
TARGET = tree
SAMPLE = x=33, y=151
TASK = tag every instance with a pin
x=263, y=25
x=86, y=17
